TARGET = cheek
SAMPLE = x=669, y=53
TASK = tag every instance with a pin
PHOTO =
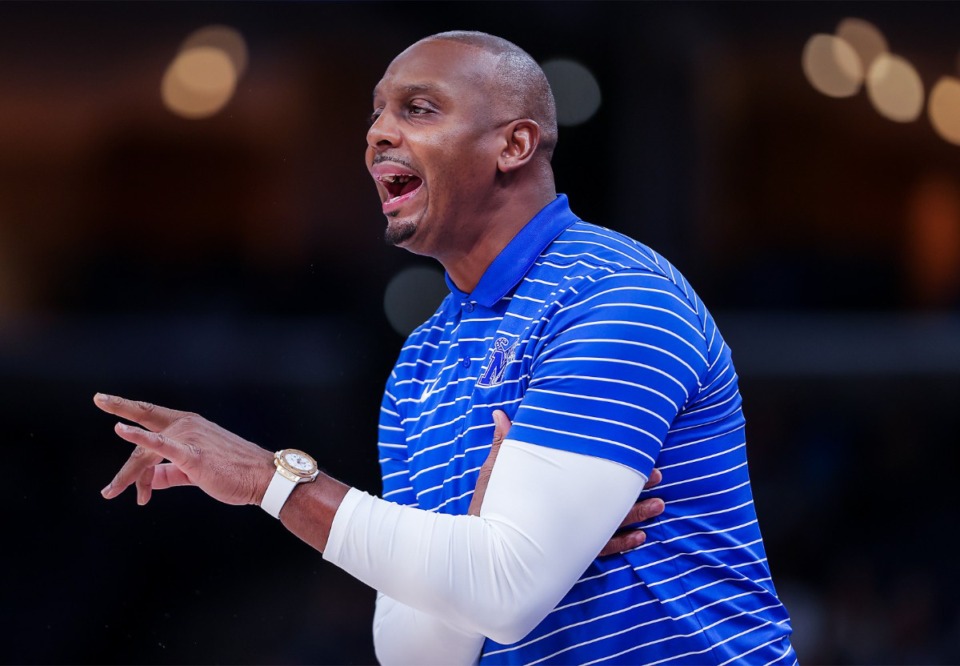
x=459, y=162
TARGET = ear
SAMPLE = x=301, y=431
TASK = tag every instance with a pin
x=521, y=140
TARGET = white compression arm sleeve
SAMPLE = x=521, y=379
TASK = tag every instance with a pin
x=403, y=636
x=545, y=516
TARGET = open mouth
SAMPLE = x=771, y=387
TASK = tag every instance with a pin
x=399, y=185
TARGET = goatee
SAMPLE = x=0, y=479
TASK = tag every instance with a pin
x=398, y=232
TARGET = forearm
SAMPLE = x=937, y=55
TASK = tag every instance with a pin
x=546, y=515
x=310, y=509
x=402, y=635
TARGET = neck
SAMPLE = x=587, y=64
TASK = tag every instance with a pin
x=466, y=264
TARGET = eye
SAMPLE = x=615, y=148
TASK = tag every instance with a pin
x=419, y=107
x=373, y=117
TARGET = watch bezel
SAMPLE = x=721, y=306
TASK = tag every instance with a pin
x=292, y=473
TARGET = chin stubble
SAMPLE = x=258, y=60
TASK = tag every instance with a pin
x=397, y=232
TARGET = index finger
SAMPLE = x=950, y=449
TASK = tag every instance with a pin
x=140, y=460
x=150, y=416
x=656, y=476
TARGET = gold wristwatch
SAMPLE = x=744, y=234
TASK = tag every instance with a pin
x=293, y=467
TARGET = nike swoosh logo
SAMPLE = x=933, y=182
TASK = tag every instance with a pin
x=430, y=389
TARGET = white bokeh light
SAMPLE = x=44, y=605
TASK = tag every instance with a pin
x=944, y=108
x=832, y=66
x=575, y=90
x=865, y=38
x=895, y=88
x=223, y=38
x=411, y=297
x=202, y=78
x=199, y=82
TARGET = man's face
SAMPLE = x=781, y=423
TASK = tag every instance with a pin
x=432, y=147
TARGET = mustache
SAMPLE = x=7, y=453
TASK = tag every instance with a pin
x=396, y=160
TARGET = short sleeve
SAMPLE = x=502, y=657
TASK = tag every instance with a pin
x=616, y=362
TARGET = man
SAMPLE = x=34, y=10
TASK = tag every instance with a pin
x=596, y=348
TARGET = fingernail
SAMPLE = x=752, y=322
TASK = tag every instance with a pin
x=106, y=489
x=101, y=397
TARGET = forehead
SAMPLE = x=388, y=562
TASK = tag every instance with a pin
x=441, y=66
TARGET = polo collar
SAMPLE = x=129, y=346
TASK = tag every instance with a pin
x=515, y=260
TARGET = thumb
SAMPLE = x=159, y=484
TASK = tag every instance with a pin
x=501, y=426
x=501, y=423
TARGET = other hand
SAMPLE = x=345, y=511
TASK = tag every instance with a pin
x=627, y=537
x=622, y=540
x=200, y=453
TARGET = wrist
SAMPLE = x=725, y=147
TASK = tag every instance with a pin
x=264, y=476
x=292, y=467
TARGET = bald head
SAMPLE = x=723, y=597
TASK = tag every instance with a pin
x=519, y=83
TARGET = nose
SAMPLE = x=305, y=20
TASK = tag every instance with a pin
x=383, y=132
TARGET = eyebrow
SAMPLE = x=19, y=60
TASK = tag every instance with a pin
x=414, y=88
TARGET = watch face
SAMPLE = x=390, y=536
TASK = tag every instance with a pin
x=298, y=461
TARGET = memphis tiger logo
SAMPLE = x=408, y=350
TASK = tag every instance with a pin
x=500, y=357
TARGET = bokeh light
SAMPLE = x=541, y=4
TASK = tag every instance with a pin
x=832, y=66
x=865, y=38
x=203, y=76
x=575, y=89
x=412, y=296
x=944, y=108
x=223, y=38
x=895, y=88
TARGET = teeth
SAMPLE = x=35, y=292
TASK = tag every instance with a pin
x=396, y=178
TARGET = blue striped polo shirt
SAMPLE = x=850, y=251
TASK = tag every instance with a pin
x=593, y=343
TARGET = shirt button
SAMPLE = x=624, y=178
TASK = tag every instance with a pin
x=468, y=307
x=465, y=362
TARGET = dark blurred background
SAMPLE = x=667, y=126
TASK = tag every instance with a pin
x=185, y=218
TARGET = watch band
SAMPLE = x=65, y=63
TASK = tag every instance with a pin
x=292, y=467
x=277, y=493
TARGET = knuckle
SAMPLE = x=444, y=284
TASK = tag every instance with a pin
x=188, y=422
x=146, y=406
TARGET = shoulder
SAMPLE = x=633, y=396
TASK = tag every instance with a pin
x=590, y=263
x=603, y=249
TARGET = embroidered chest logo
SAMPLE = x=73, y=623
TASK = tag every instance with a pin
x=500, y=357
